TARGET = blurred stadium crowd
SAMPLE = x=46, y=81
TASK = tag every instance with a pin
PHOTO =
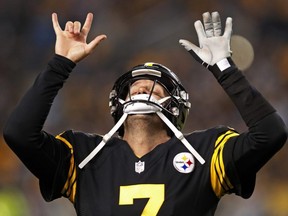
x=139, y=31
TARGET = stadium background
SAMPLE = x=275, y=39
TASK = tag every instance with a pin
x=139, y=31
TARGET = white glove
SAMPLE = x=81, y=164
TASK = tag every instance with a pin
x=213, y=46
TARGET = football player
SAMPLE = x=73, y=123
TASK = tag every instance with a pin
x=151, y=168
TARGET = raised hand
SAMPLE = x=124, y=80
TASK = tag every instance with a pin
x=71, y=42
x=213, y=46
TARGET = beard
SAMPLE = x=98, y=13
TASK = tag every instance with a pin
x=150, y=121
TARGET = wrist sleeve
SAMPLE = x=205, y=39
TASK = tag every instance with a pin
x=223, y=66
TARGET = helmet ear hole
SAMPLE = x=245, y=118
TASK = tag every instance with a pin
x=175, y=109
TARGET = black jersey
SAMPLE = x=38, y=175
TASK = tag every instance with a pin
x=167, y=180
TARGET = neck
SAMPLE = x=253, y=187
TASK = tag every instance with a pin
x=144, y=132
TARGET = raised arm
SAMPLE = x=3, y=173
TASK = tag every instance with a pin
x=41, y=152
x=245, y=154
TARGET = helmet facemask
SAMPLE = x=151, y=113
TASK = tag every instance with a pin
x=174, y=106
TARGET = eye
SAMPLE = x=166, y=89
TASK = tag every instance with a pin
x=158, y=94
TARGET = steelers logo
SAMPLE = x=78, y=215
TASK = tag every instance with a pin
x=184, y=162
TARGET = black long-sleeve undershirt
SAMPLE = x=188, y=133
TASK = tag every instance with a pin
x=266, y=131
x=39, y=151
x=42, y=153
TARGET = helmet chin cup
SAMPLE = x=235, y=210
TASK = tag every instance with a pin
x=140, y=108
x=141, y=104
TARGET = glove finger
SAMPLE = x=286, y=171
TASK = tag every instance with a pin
x=216, y=23
x=228, y=28
x=192, y=49
x=208, y=25
x=200, y=32
x=188, y=45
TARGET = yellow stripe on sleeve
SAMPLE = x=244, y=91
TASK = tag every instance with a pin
x=219, y=180
x=69, y=189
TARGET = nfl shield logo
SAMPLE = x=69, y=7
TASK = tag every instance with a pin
x=139, y=166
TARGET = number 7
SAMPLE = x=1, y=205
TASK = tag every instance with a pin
x=155, y=193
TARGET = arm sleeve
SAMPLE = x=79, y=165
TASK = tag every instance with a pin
x=41, y=152
x=245, y=154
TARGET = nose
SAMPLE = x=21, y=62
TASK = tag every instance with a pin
x=143, y=90
x=143, y=86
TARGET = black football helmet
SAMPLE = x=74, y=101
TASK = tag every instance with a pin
x=176, y=108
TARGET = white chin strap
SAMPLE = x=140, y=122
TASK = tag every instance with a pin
x=181, y=137
x=138, y=105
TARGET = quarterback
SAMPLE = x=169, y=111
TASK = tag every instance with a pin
x=151, y=168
